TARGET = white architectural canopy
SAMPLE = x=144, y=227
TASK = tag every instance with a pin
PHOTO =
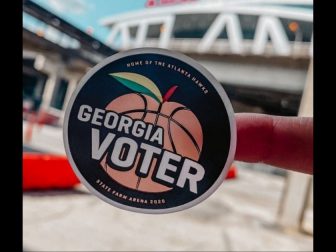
x=244, y=27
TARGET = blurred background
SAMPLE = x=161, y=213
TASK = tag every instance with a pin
x=261, y=51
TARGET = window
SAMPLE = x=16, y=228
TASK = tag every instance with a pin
x=57, y=100
x=29, y=84
x=192, y=25
x=248, y=25
x=33, y=84
x=303, y=32
x=154, y=31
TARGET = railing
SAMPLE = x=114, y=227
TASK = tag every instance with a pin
x=222, y=46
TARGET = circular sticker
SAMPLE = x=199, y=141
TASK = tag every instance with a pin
x=150, y=130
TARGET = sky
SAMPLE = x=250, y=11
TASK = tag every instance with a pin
x=88, y=13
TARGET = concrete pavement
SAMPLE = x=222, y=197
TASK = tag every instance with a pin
x=239, y=216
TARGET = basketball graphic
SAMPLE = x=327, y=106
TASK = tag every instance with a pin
x=150, y=130
x=182, y=130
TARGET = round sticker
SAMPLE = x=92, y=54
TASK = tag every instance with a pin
x=150, y=130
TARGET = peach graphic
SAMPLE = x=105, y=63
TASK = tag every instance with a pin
x=182, y=131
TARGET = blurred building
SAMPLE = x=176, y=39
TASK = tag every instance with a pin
x=56, y=55
x=258, y=49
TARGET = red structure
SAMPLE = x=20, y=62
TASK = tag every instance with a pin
x=41, y=171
